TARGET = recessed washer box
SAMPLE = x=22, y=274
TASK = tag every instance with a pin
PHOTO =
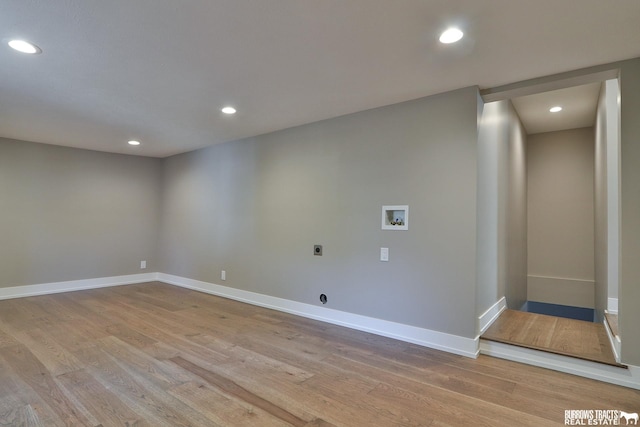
x=395, y=217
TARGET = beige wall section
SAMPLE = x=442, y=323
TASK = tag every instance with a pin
x=554, y=290
x=560, y=167
x=256, y=207
x=70, y=214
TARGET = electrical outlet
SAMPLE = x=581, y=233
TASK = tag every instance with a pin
x=143, y=265
x=384, y=254
x=223, y=275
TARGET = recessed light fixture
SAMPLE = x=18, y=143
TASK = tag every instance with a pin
x=555, y=109
x=24, y=46
x=134, y=142
x=451, y=35
x=228, y=110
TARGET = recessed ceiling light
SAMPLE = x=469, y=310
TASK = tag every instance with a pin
x=133, y=142
x=451, y=35
x=24, y=46
x=555, y=109
x=228, y=110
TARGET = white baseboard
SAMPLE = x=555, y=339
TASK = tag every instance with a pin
x=610, y=374
x=424, y=337
x=488, y=317
x=614, y=340
x=74, y=285
x=612, y=305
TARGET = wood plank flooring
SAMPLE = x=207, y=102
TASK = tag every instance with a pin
x=157, y=355
x=569, y=337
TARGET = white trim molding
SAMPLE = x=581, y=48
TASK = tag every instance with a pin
x=488, y=317
x=614, y=340
x=424, y=337
x=612, y=305
x=598, y=371
x=74, y=285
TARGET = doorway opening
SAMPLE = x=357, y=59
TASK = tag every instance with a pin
x=558, y=196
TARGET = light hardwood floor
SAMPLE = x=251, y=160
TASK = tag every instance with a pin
x=157, y=355
x=569, y=337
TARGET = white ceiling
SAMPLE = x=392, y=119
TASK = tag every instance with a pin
x=160, y=70
x=579, y=104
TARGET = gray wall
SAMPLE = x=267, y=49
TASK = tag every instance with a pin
x=72, y=214
x=560, y=168
x=601, y=272
x=613, y=186
x=502, y=207
x=493, y=140
x=516, y=214
x=256, y=207
x=629, y=290
x=607, y=199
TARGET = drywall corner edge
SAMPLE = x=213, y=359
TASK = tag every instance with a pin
x=462, y=346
